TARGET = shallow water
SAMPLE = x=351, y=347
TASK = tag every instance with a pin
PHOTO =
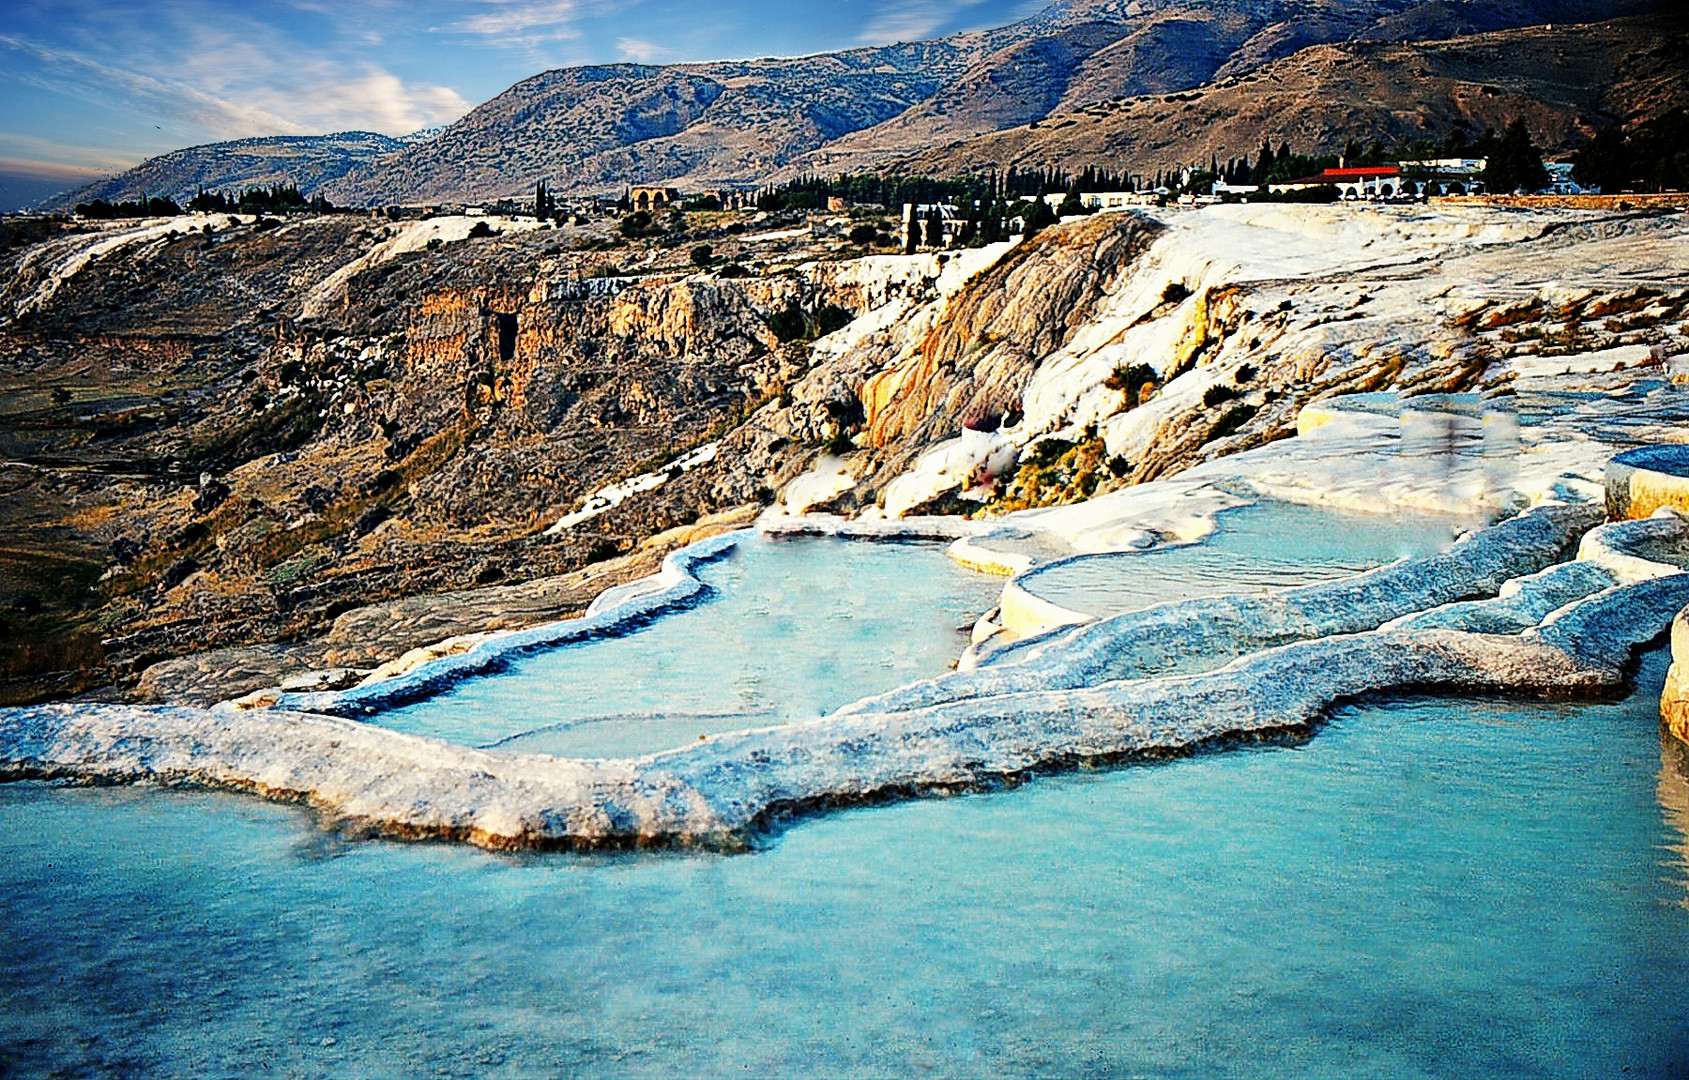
x=793, y=628
x=1452, y=889
x=1268, y=545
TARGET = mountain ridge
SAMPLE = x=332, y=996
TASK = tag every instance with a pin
x=743, y=123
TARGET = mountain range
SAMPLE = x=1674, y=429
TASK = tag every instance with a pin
x=1135, y=84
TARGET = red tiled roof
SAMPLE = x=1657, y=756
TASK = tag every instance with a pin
x=1359, y=174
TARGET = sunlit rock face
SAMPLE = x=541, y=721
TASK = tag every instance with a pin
x=1641, y=481
x=1203, y=334
x=1674, y=700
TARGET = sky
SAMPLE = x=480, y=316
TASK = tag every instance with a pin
x=92, y=87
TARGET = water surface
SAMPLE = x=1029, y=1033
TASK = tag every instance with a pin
x=1426, y=889
x=1268, y=545
x=791, y=629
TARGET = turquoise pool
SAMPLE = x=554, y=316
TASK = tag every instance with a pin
x=1425, y=889
x=791, y=629
x=1267, y=545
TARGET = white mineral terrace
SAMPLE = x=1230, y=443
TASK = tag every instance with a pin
x=1471, y=619
x=1551, y=599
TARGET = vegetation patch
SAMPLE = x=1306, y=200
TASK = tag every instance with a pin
x=1055, y=472
x=1232, y=422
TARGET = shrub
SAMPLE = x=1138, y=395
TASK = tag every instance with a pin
x=787, y=324
x=480, y=229
x=1233, y=421
x=1244, y=374
x=601, y=549
x=862, y=235
x=1174, y=293
x=733, y=270
x=1038, y=217
x=795, y=324
x=1218, y=394
x=830, y=318
x=1130, y=381
x=703, y=255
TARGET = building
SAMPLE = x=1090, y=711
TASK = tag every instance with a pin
x=1366, y=182
x=1445, y=176
x=916, y=219
x=652, y=199
x=1560, y=180
x=1117, y=200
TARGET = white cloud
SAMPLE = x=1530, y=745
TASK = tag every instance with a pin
x=521, y=22
x=219, y=80
x=912, y=20
x=644, y=52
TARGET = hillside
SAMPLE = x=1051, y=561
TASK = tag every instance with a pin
x=1566, y=80
x=309, y=161
x=1172, y=48
x=597, y=128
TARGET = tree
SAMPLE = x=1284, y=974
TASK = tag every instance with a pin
x=1038, y=217
x=1072, y=205
x=1514, y=164
x=1652, y=156
x=935, y=228
x=1601, y=162
x=862, y=235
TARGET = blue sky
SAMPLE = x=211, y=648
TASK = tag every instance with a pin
x=90, y=87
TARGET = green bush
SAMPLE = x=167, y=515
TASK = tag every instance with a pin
x=1130, y=381
x=1219, y=394
x=1233, y=421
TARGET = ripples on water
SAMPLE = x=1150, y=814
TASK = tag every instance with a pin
x=1269, y=545
x=1451, y=889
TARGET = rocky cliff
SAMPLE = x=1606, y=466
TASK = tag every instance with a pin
x=203, y=447
x=215, y=439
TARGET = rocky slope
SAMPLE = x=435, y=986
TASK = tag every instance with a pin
x=309, y=161
x=214, y=440
x=1566, y=81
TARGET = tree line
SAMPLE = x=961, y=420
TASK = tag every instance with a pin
x=277, y=198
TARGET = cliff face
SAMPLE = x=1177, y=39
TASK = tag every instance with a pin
x=973, y=366
x=190, y=462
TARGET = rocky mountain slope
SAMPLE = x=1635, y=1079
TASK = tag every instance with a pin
x=209, y=436
x=595, y=129
x=1566, y=80
x=309, y=161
